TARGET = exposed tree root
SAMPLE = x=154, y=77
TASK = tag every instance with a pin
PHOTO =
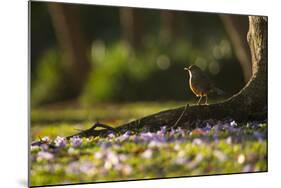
x=180, y=117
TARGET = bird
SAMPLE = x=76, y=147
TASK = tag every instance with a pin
x=200, y=84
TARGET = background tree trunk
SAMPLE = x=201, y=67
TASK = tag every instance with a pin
x=131, y=26
x=65, y=19
x=237, y=28
x=171, y=25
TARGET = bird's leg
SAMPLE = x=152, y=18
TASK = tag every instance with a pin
x=206, y=101
x=198, y=103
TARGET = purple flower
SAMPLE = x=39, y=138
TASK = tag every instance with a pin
x=247, y=168
x=104, y=144
x=75, y=141
x=43, y=155
x=81, y=167
x=124, y=137
x=44, y=147
x=111, y=135
x=73, y=168
x=122, y=157
x=259, y=135
x=87, y=168
x=254, y=125
x=110, y=158
x=172, y=132
x=207, y=128
x=216, y=132
x=60, y=142
x=99, y=154
x=231, y=127
x=181, y=160
x=153, y=137
x=180, y=131
x=128, y=133
x=163, y=130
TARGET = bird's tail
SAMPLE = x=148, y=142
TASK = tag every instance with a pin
x=218, y=91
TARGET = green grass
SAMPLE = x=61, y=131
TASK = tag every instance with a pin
x=103, y=112
x=112, y=159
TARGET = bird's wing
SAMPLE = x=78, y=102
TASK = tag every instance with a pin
x=207, y=83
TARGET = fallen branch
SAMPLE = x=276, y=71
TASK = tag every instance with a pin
x=93, y=132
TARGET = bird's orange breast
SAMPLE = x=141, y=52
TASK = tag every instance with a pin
x=196, y=90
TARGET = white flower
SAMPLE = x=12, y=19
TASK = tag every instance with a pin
x=46, y=139
x=241, y=159
x=220, y=155
x=147, y=154
x=233, y=123
x=197, y=141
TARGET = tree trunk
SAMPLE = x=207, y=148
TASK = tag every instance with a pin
x=131, y=26
x=237, y=28
x=248, y=104
x=169, y=26
x=66, y=23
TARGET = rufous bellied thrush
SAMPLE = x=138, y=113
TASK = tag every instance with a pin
x=200, y=84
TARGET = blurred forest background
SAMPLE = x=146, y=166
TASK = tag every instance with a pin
x=86, y=54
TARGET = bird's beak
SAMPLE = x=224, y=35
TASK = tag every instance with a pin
x=186, y=69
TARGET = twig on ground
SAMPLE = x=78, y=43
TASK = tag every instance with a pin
x=97, y=125
x=178, y=120
x=93, y=132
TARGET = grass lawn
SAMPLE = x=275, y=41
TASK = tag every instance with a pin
x=213, y=147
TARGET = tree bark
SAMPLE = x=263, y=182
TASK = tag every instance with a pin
x=131, y=26
x=65, y=20
x=248, y=104
x=169, y=28
x=237, y=28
